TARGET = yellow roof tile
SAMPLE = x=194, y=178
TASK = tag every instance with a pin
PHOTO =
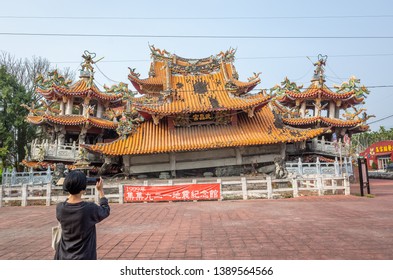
x=151, y=138
x=80, y=88
x=323, y=120
x=212, y=97
x=72, y=120
x=176, y=76
x=314, y=90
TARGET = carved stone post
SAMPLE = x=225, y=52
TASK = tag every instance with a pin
x=336, y=167
x=24, y=195
x=269, y=187
x=300, y=166
x=13, y=176
x=318, y=165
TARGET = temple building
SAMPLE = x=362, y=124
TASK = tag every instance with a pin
x=194, y=117
x=71, y=115
x=318, y=106
x=191, y=117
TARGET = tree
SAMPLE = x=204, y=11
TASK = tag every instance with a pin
x=14, y=131
x=17, y=86
x=361, y=141
x=27, y=70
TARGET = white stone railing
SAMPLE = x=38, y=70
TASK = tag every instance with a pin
x=67, y=152
x=328, y=147
x=325, y=147
x=321, y=168
x=35, y=177
x=231, y=188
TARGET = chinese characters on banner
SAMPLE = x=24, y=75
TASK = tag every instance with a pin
x=171, y=193
x=383, y=149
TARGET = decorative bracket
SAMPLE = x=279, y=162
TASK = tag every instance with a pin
x=156, y=119
x=250, y=112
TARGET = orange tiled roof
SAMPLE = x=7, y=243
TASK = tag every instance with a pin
x=215, y=98
x=150, y=138
x=72, y=120
x=323, y=120
x=325, y=159
x=171, y=72
x=314, y=90
x=80, y=88
x=35, y=119
x=38, y=164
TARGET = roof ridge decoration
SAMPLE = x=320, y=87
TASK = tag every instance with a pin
x=168, y=74
x=43, y=108
x=185, y=66
x=54, y=78
x=355, y=114
x=227, y=56
x=286, y=85
x=353, y=86
x=129, y=123
x=121, y=88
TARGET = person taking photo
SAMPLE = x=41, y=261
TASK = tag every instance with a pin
x=78, y=219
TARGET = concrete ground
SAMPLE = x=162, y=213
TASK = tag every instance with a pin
x=329, y=227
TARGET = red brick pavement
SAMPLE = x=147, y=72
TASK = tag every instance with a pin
x=329, y=227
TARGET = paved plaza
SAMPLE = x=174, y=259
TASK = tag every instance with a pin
x=329, y=227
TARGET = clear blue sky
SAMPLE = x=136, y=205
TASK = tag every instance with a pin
x=368, y=59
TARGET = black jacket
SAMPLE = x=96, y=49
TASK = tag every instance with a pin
x=78, y=220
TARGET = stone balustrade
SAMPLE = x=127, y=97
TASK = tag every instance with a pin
x=56, y=151
x=30, y=177
x=324, y=147
x=321, y=168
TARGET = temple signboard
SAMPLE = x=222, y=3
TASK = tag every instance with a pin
x=186, y=192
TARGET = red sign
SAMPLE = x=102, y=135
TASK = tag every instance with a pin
x=172, y=193
x=376, y=150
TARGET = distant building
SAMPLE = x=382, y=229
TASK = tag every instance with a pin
x=379, y=154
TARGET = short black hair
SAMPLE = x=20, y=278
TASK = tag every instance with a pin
x=75, y=182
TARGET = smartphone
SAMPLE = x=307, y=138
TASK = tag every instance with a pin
x=92, y=180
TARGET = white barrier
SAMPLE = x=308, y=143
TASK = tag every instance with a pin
x=231, y=188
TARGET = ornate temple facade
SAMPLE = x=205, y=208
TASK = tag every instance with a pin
x=318, y=106
x=191, y=117
x=71, y=115
x=198, y=117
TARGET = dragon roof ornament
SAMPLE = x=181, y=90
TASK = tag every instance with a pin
x=227, y=56
x=353, y=85
x=54, y=78
x=286, y=85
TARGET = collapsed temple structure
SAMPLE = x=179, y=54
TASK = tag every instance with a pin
x=191, y=117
